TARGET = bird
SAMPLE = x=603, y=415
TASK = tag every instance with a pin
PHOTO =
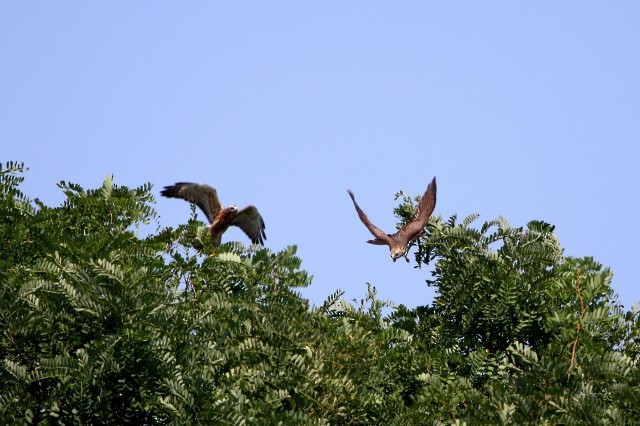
x=414, y=228
x=206, y=198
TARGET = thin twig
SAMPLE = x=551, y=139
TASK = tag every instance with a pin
x=579, y=323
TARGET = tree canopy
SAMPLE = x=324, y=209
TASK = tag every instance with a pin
x=102, y=325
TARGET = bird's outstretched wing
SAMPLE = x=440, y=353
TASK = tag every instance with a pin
x=250, y=221
x=419, y=220
x=203, y=196
x=381, y=236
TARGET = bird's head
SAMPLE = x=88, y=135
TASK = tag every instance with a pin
x=397, y=252
x=231, y=212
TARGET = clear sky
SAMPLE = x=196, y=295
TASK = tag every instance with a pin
x=529, y=110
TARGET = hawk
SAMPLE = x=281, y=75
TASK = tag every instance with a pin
x=206, y=197
x=398, y=242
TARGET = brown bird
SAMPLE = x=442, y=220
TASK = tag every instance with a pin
x=398, y=242
x=206, y=197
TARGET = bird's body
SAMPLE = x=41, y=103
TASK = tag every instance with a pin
x=206, y=198
x=414, y=228
x=221, y=223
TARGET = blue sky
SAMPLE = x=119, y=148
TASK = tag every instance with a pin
x=529, y=110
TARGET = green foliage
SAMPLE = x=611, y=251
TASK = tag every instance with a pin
x=519, y=334
x=99, y=325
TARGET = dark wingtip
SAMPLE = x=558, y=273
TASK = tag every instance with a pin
x=262, y=236
x=166, y=191
x=169, y=190
x=433, y=187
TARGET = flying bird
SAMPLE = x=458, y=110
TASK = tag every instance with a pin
x=206, y=197
x=398, y=242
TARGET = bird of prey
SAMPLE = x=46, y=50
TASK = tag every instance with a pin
x=206, y=197
x=398, y=242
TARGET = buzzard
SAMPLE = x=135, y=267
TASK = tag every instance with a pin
x=206, y=197
x=399, y=241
